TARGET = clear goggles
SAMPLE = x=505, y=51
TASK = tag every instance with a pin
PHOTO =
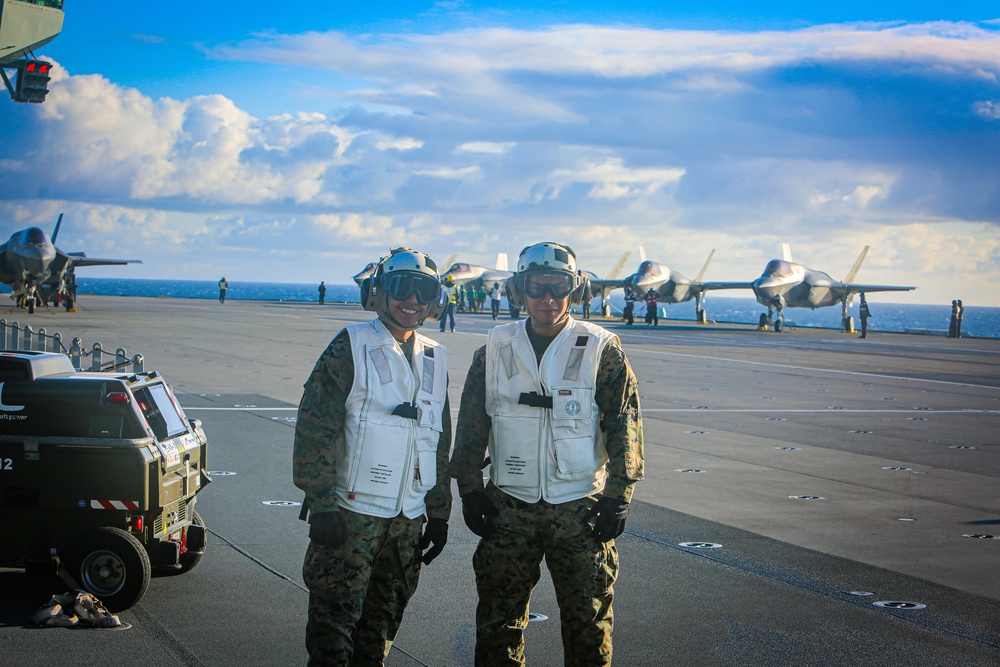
x=400, y=285
x=560, y=285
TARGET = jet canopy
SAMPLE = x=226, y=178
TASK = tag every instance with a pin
x=779, y=268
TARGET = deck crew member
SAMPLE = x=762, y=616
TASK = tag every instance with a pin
x=555, y=402
x=371, y=453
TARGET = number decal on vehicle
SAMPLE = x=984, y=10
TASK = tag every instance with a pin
x=6, y=464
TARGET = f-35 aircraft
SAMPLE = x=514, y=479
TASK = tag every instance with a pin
x=463, y=273
x=785, y=284
x=38, y=270
x=673, y=286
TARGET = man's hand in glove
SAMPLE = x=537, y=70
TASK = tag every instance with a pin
x=436, y=533
x=610, y=516
x=478, y=512
x=327, y=529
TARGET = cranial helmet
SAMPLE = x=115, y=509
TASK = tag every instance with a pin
x=400, y=274
x=546, y=257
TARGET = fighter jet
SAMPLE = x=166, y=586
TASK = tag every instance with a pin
x=366, y=272
x=37, y=270
x=462, y=273
x=674, y=287
x=785, y=284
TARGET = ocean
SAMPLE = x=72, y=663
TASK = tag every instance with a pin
x=980, y=322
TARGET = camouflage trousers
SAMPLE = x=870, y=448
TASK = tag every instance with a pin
x=507, y=566
x=358, y=592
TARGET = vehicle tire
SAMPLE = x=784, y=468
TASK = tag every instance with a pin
x=112, y=565
x=31, y=306
x=68, y=303
x=188, y=559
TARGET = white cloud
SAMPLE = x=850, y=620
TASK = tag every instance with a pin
x=988, y=109
x=487, y=147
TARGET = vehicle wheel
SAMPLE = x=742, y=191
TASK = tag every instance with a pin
x=114, y=566
x=31, y=306
x=188, y=559
x=68, y=302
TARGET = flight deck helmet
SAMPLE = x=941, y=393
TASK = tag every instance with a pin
x=546, y=258
x=399, y=274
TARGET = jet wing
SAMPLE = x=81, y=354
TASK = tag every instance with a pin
x=854, y=288
x=721, y=285
x=80, y=259
x=598, y=285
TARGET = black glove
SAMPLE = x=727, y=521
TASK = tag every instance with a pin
x=610, y=521
x=436, y=533
x=327, y=529
x=478, y=512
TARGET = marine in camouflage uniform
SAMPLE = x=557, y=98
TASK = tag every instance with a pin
x=582, y=562
x=358, y=590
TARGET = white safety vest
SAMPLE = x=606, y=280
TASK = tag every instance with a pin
x=553, y=453
x=386, y=463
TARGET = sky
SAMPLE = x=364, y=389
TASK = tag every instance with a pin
x=296, y=142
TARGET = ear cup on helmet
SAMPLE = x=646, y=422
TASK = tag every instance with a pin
x=436, y=309
x=367, y=299
x=576, y=297
x=514, y=294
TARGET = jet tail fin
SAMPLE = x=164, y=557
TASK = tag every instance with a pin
x=701, y=274
x=55, y=233
x=857, y=265
x=616, y=269
x=642, y=254
x=502, y=261
x=786, y=252
x=451, y=260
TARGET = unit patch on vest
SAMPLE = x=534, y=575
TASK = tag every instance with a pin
x=573, y=407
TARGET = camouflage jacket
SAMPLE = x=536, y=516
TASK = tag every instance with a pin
x=617, y=396
x=320, y=423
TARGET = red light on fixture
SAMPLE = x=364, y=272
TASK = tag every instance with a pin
x=137, y=523
x=118, y=397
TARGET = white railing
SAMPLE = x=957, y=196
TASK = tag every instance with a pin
x=23, y=339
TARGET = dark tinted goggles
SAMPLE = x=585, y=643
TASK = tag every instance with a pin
x=559, y=285
x=401, y=285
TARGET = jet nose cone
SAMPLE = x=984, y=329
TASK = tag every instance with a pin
x=766, y=283
x=36, y=259
x=640, y=283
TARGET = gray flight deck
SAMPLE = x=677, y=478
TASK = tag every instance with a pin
x=810, y=499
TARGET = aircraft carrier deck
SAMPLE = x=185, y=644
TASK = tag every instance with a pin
x=810, y=499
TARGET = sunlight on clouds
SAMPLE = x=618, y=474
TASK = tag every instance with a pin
x=858, y=198
x=612, y=180
x=988, y=109
x=487, y=147
x=357, y=227
x=115, y=142
x=448, y=173
x=402, y=144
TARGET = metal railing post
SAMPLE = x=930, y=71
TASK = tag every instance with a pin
x=15, y=330
x=57, y=345
x=121, y=358
x=27, y=337
x=96, y=355
x=137, y=362
x=40, y=345
x=76, y=352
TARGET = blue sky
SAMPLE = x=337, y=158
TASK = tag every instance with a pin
x=296, y=142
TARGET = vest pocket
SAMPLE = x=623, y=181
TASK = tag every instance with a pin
x=515, y=444
x=572, y=436
x=380, y=461
x=428, y=434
